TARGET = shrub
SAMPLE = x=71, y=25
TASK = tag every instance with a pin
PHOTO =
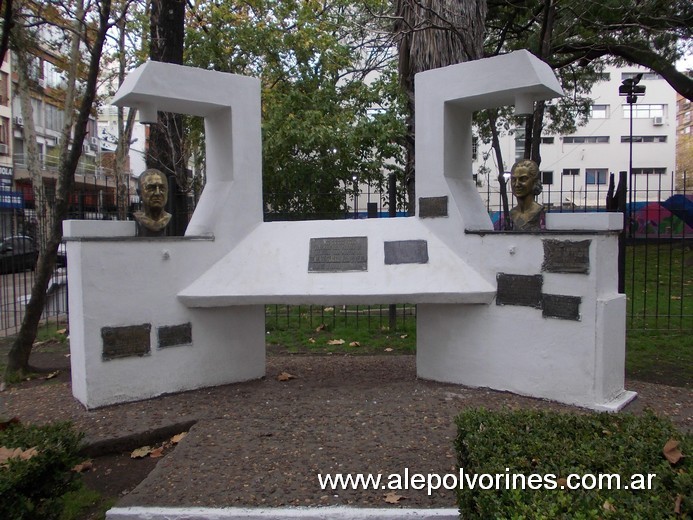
x=549, y=444
x=33, y=488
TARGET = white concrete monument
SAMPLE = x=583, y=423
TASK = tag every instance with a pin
x=533, y=313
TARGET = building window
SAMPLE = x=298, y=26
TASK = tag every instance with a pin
x=519, y=144
x=645, y=75
x=649, y=171
x=599, y=111
x=644, y=139
x=595, y=175
x=643, y=111
x=571, y=171
x=590, y=139
x=475, y=148
x=547, y=140
x=547, y=178
x=603, y=76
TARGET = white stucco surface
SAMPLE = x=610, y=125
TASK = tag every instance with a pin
x=231, y=263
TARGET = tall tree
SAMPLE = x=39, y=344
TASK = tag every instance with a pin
x=85, y=30
x=166, y=138
x=331, y=109
x=429, y=35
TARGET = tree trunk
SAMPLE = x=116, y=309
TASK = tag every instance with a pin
x=440, y=33
x=495, y=144
x=166, y=151
x=18, y=356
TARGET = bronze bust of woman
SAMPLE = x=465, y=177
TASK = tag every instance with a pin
x=525, y=183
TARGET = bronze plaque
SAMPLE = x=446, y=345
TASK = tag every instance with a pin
x=406, y=252
x=122, y=342
x=519, y=289
x=566, y=256
x=175, y=335
x=563, y=307
x=338, y=254
x=431, y=207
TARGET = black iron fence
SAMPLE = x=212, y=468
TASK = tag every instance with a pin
x=658, y=259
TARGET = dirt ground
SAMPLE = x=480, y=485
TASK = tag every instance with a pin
x=115, y=473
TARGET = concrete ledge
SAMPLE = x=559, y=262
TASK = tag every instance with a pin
x=99, y=228
x=617, y=403
x=315, y=513
x=598, y=221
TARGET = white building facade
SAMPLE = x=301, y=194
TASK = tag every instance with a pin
x=576, y=167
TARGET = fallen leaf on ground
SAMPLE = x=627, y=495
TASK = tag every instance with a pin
x=320, y=327
x=336, y=342
x=39, y=343
x=311, y=340
x=140, y=453
x=157, y=452
x=388, y=349
x=328, y=309
x=61, y=331
x=672, y=452
x=16, y=453
x=677, y=504
x=83, y=466
x=354, y=344
x=177, y=438
x=393, y=498
x=52, y=375
x=285, y=376
x=403, y=336
x=608, y=506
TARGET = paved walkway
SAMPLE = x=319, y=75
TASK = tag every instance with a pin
x=262, y=444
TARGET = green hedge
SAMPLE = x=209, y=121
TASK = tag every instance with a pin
x=501, y=444
x=33, y=488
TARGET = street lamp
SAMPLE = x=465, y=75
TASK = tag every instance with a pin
x=631, y=89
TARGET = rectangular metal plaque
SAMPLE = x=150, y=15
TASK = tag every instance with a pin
x=406, y=252
x=564, y=307
x=338, y=254
x=175, y=335
x=519, y=289
x=122, y=342
x=566, y=256
x=431, y=207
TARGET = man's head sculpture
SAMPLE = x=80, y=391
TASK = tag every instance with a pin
x=153, y=189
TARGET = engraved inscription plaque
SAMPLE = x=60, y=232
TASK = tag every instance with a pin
x=406, y=252
x=566, y=256
x=431, y=207
x=175, y=335
x=564, y=307
x=519, y=289
x=338, y=254
x=122, y=342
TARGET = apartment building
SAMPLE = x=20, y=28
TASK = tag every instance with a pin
x=576, y=167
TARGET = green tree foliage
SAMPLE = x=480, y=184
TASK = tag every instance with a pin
x=331, y=107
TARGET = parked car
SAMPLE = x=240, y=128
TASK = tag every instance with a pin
x=17, y=254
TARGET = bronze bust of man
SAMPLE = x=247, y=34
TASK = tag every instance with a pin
x=153, y=188
x=525, y=183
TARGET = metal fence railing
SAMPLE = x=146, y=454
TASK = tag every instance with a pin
x=658, y=259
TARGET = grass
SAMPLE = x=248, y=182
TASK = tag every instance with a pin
x=318, y=330
x=659, y=285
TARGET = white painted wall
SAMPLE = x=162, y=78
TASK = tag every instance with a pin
x=231, y=263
